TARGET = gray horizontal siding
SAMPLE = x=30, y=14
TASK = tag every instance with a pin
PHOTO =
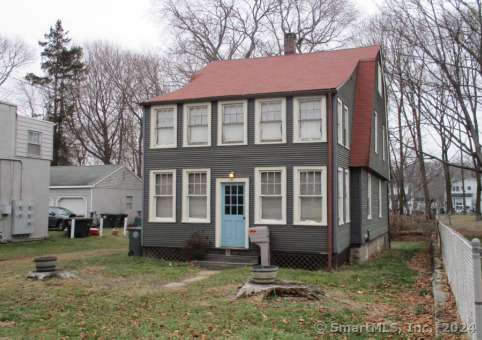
x=377, y=226
x=25, y=124
x=241, y=159
x=356, y=205
x=121, y=179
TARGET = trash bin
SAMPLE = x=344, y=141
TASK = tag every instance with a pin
x=113, y=220
x=82, y=227
x=119, y=221
x=135, y=245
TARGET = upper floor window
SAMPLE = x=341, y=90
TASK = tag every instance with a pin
x=346, y=126
x=163, y=123
x=196, y=195
x=270, y=195
x=380, y=79
x=232, y=123
x=162, y=197
x=309, y=195
x=339, y=121
x=270, y=125
x=197, y=124
x=34, y=143
x=375, y=129
x=309, y=119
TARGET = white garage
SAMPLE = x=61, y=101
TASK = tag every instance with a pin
x=78, y=205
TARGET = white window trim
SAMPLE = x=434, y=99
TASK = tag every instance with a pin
x=296, y=132
x=185, y=212
x=152, y=201
x=384, y=142
x=220, y=122
x=340, y=196
x=219, y=182
x=369, y=196
x=339, y=121
x=185, y=124
x=257, y=114
x=380, y=205
x=376, y=131
x=347, y=126
x=347, y=195
x=34, y=143
x=296, y=194
x=257, y=193
x=153, y=127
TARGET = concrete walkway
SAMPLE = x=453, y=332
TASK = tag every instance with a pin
x=204, y=274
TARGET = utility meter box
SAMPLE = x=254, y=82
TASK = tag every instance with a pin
x=259, y=234
x=23, y=217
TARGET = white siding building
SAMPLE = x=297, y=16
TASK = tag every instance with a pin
x=25, y=155
x=458, y=194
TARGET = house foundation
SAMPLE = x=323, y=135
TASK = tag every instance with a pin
x=361, y=253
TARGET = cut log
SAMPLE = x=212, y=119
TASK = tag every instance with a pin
x=280, y=288
x=63, y=274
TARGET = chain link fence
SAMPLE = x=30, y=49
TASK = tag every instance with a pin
x=461, y=260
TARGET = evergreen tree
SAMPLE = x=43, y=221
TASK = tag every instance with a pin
x=63, y=69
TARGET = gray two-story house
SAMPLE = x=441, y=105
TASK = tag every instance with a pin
x=296, y=142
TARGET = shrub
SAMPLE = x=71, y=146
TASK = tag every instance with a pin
x=196, y=247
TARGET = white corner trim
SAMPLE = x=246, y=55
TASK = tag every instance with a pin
x=257, y=193
x=219, y=196
x=153, y=127
x=152, y=190
x=324, y=121
x=257, y=122
x=296, y=193
x=185, y=214
x=220, y=122
x=185, y=124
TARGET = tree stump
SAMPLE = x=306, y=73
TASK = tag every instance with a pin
x=280, y=288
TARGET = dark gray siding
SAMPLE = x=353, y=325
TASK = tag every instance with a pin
x=376, y=159
x=356, y=201
x=375, y=225
x=241, y=159
x=347, y=94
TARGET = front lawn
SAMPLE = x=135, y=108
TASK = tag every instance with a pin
x=121, y=297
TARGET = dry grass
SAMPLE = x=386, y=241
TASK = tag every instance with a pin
x=463, y=222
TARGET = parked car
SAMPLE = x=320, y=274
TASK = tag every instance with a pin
x=60, y=218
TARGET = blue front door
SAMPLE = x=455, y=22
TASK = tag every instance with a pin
x=232, y=215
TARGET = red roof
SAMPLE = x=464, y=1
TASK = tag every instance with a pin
x=287, y=73
x=362, y=114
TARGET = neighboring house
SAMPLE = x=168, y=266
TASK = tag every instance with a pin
x=297, y=143
x=110, y=189
x=409, y=197
x=458, y=194
x=25, y=155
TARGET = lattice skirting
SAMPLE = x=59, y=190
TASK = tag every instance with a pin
x=341, y=258
x=169, y=254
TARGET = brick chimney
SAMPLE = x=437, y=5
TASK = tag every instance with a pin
x=290, y=43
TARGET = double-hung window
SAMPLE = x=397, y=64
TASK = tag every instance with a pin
x=232, y=123
x=369, y=197
x=197, y=124
x=341, y=175
x=346, y=126
x=309, y=120
x=270, y=195
x=339, y=121
x=162, y=205
x=270, y=125
x=384, y=142
x=163, y=126
x=196, y=195
x=129, y=202
x=34, y=143
x=376, y=131
x=380, y=205
x=347, y=195
x=309, y=195
x=380, y=79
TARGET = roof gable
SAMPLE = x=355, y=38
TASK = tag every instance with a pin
x=287, y=73
x=71, y=176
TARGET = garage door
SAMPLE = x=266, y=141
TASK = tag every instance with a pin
x=75, y=204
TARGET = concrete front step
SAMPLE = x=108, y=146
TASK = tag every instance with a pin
x=248, y=259
x=221, y=265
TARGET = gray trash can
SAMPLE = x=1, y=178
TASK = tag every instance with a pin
x=135, y=245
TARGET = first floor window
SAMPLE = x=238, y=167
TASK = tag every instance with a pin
x=347, y=195
x=380, y=205
x=197, y=125
x=384, y=142
x=270, y=195
x=164, y=123
x=34, y=143
x=129, y=201
x=196, y=195
x=369, y=197
x=163, y=204
x=309, y=195
x=340, y=196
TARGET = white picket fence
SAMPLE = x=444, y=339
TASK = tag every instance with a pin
x=462, y=264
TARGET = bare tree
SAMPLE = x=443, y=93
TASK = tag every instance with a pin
x=13, y=55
